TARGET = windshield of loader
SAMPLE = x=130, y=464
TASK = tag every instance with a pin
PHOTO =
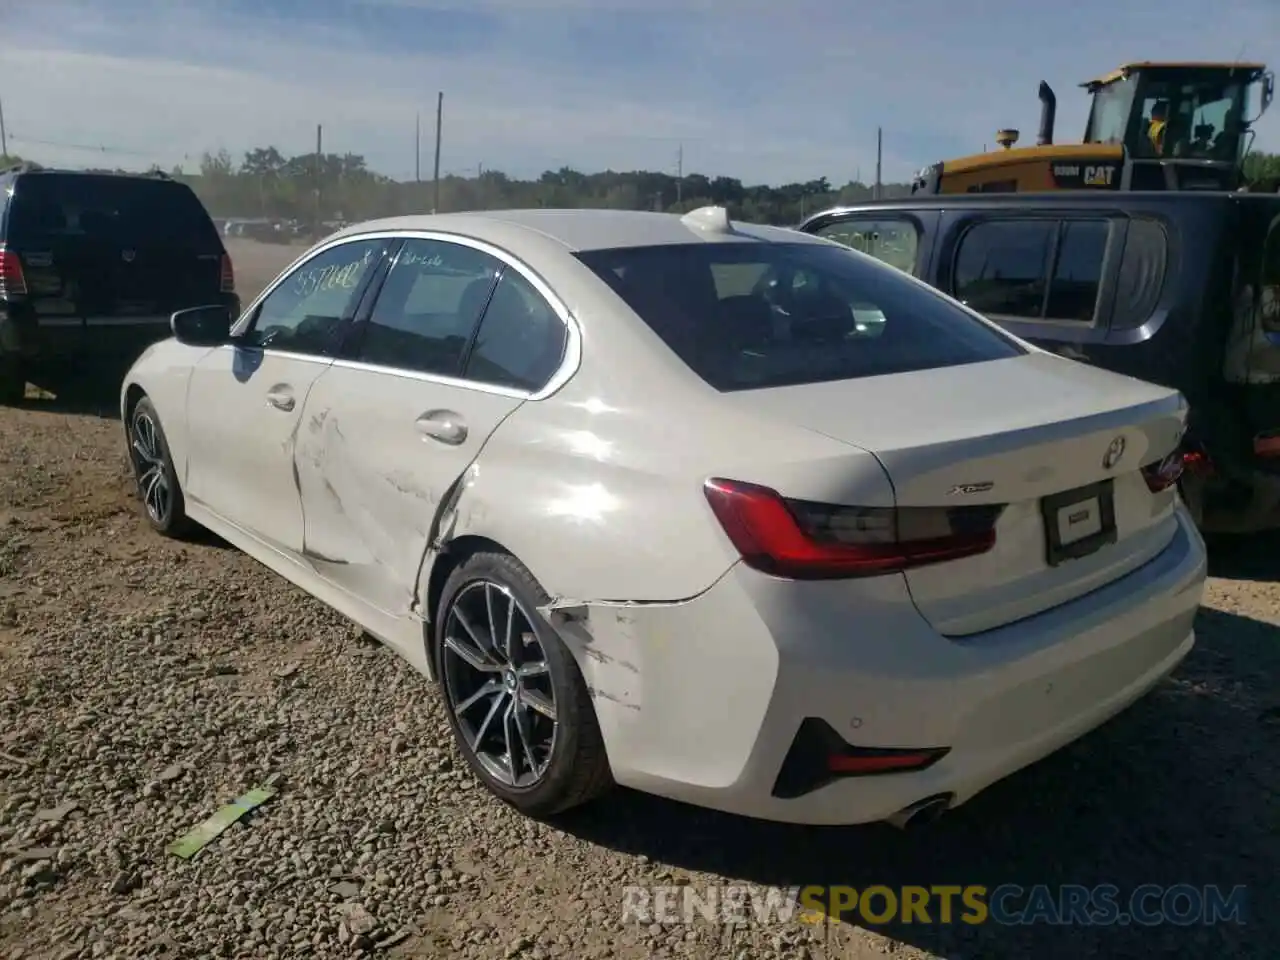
x=1189, y=114
x=1112, y=108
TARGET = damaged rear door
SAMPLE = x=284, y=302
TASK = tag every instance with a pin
x=454, y=341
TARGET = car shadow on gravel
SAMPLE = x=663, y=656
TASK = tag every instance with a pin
x=94, y=397
x=1182, y=788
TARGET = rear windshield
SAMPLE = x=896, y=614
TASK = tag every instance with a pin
x=754, y=315
x=48, y=207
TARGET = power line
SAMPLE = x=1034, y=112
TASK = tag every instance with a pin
x=89, y=147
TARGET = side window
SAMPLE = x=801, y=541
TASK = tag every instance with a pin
x=428, y=307
x=894, y=241
x=303, y=313
x=1032, y=269
x=1269, y=292
x=521, y=340
x=1077, y=275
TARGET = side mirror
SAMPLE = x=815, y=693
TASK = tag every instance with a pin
x=202, y=326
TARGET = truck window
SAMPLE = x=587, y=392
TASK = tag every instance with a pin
x=1269, y=293
x=891, y=240
x=1140, y=279
x=1032, y=269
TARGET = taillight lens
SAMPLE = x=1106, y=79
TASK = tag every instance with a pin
x=12, y=281
x=802, y=540
x=1164, y=474
x=228, y=275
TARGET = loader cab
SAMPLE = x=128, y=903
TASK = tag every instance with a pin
x=1182, y=126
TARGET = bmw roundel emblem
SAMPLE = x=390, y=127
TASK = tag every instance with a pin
x=1115, y=450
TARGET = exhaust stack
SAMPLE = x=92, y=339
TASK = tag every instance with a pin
x=1048, y=113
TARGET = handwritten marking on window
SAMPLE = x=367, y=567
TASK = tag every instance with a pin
x=331, y=277
x=409, y=259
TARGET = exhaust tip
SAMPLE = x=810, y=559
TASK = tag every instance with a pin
x=922, y=812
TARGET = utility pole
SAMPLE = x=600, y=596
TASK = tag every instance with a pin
x=4, y=139
x=417, y=148
x=435, y=203
x=679, y=173
x=319, y=168
x=879, y=156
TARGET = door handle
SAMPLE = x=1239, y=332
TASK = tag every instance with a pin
x=443, y=425
x=281, y=398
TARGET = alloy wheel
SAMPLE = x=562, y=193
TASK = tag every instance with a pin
x=150, y=467
x=498, y=684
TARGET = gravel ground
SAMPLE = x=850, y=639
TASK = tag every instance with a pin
x=143, y=684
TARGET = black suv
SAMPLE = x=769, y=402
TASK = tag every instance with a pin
x=93, y=264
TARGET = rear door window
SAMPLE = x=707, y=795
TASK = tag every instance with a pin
x=757, y=315
x=894, y=241
x=1032, y=269
x=428, y=307
x=135, y=212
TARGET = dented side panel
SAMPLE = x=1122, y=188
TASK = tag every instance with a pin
x=601, y=496
x=373, y=483
x=241, y=455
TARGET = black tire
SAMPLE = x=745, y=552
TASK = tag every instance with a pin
x=576, y=766
x=153, y=470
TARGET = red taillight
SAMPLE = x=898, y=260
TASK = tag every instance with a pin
x=1198, y=462
x=1164, y=474
x=862, y=761
x=801, y=540
x=12, y=281
x=228, y=275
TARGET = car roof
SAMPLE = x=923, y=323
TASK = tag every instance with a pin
x=34, y=169
x=1083, y=199
x=586, y=229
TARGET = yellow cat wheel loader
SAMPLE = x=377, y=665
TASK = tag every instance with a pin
x=1152, y=126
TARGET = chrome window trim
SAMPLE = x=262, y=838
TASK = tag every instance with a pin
x=569, y=364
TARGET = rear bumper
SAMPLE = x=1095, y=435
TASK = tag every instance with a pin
x=37, y=339
x=701, y=701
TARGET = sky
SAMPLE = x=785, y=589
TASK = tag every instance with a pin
x=764, y=91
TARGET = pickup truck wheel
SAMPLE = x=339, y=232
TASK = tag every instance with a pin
x=13, y=383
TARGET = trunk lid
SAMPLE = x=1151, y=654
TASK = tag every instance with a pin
x=1059, y=442
x=113, y=247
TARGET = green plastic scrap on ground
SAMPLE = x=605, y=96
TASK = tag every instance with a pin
x=190, y=844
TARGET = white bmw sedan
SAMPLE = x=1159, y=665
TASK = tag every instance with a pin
x=726, y=513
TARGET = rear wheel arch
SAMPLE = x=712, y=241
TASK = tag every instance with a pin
x=453, y=555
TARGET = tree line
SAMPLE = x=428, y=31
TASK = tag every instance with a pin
x=308, y=188
x=268, y=184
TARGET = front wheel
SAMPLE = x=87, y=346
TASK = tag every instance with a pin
x=517, y=703
x=156, y=479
